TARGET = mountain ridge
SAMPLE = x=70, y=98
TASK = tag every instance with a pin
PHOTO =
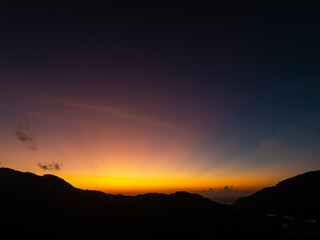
x=297, y=195
x=54, y=181
x=51, y=204
x=38, y=205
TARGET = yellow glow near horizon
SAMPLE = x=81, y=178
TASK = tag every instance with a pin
x=116, y=152
x=138, y=170
x=136, y=185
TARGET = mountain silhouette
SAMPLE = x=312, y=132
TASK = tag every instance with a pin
x=297, y=196
x=49, y=207
x=48, y=204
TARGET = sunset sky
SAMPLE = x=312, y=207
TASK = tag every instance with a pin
x=132, y=99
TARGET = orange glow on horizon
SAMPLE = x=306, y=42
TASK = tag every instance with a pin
x=135, y=185
x=116, y=151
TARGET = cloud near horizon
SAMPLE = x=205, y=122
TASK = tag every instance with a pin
x=51, y=166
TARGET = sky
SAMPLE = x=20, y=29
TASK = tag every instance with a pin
x=159, y=98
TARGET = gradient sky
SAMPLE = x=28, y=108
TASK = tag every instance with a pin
x=130, y=99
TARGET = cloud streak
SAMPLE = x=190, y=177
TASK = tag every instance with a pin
x=23, y=135
x=121, y=114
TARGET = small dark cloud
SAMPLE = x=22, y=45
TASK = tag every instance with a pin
x=50, y=166
x=227, y=188
x=23, y=135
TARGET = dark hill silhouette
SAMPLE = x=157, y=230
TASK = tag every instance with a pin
x=48, y=207
x=48, y=204
x=297, y=196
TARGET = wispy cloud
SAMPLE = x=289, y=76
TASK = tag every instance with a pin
x=23, y=135
x=51, y=166
x=120, y=113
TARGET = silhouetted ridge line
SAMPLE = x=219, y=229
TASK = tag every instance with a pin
x=51, y=208
x=299, y=195
x=55, y=190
